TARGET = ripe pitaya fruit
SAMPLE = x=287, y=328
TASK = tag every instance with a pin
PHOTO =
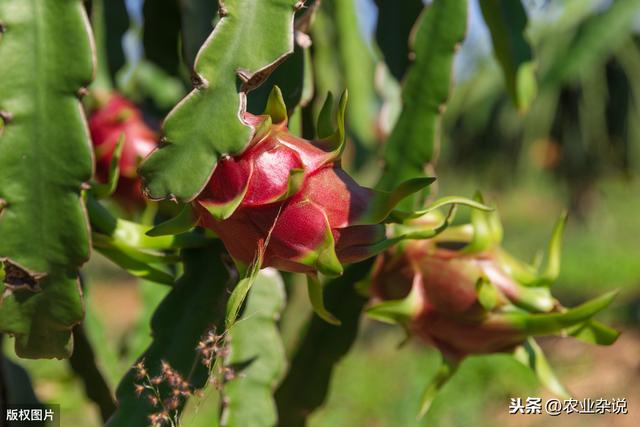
x=291, y=197
x=119, y=117
x=465, y=295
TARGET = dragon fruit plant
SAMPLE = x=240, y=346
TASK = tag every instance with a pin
x=462, y=293
x=256, y=198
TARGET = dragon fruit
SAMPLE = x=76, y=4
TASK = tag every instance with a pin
x=462, y=293
x=290, y=197
x=117, y=117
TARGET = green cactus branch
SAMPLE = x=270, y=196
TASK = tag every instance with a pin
x=358, y=69
x=395, y=22
x=306, y=384
x=197, y=23
x=84, y=363
x=257, y=353
x=441, y=28
x=507, y=21
x=195, y=303
x=46, y=58
x=251, y=38
x=109, y=21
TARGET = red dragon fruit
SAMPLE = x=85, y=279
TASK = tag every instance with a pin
x=117, y=117
x=465, y=295
x=291, y=196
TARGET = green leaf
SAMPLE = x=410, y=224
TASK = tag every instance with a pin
x=315, y=289
x=488, y=295
x=207, y=123
x=333, y=138
x=382, y=203
x=107, y=189
x=184, y=221
x=238, y=296
x=395, y=22
x=324, y=128
x=487, y=229
x=323, y=345
x=550, y=323
x=507, y=22
x=411, y=145
x=533, y=298
x=531, y=355
x=46, y=57
x=594, y=332
x=552, y=269
x=400, y=216
x=414, y=233
x=396, y=311
x=528, y=275
x=195, y=303
x=257, y=352
x=276, y=108
x=442, y=376
x=323, y=258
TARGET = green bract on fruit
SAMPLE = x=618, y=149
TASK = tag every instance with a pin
x=462, y=293
x=119, y=118
x=292, y=197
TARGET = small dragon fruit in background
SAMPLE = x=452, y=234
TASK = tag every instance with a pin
x=118, y=117
x=462, y=293
x=291, y=197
